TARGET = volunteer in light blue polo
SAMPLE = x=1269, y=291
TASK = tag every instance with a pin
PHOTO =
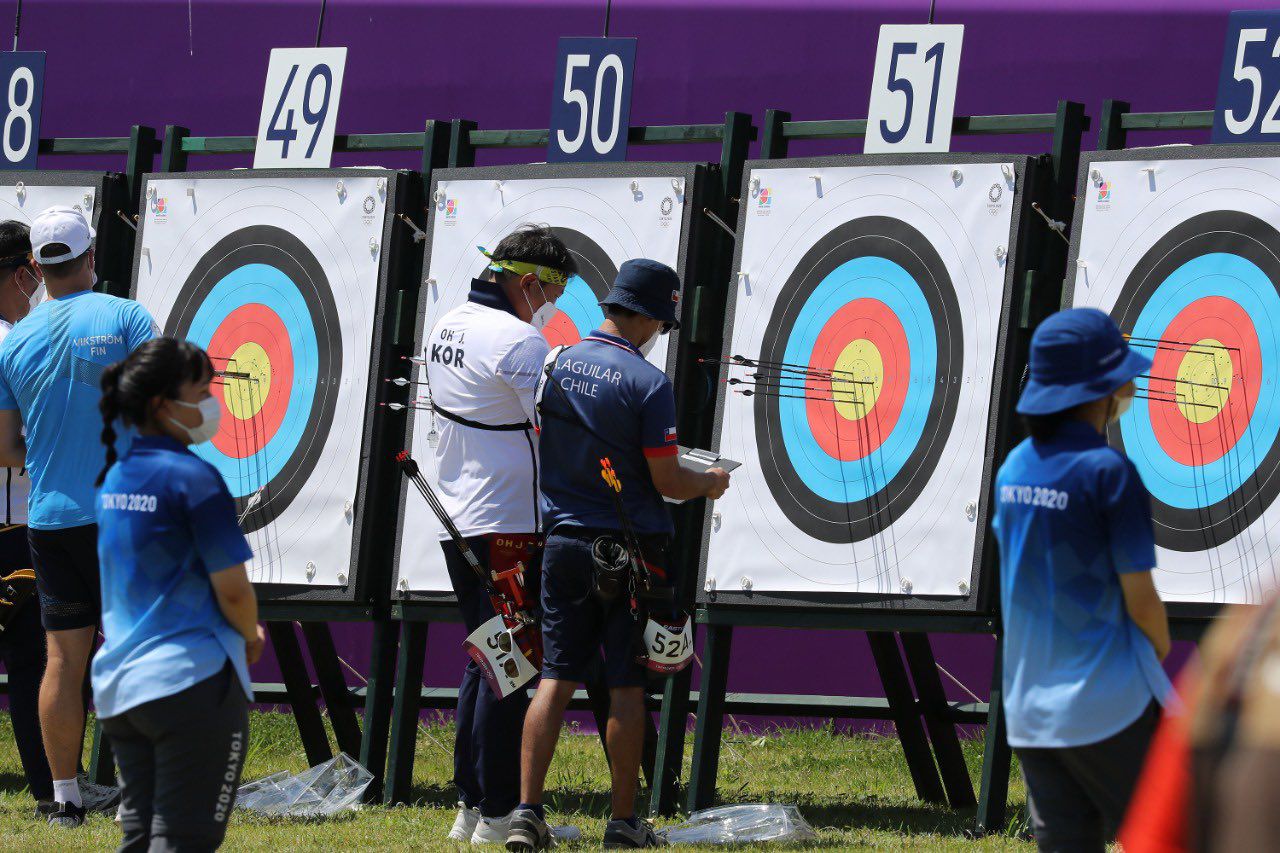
x=1084, y=629
x=179, y=616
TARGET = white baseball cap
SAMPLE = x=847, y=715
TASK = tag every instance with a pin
x=60, y=224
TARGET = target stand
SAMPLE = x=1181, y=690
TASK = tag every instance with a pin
x=878, y=316
x=605, y=214
x=1179, y=246
x=292, y=280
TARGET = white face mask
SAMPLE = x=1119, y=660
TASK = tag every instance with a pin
x=545, y=312
x=1122, y=406
x=36, y=296
x=211, y=415
x=647, y=346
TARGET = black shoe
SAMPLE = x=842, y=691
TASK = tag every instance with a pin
x=620, y=834
x=528, y=832
x=97, y=798
x=67, y=816
x=44, y=808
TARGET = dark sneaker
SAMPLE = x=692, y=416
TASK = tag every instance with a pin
x=619, y=834
x=528, y=832
x=98, y=798
x=44, y=808
x=67, y=816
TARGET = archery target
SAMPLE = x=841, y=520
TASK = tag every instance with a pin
x=869, y=302
x=24, y=201
x=603, y=221
x=277, y=279
x=1184, y=256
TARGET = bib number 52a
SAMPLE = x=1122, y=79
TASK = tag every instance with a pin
x=21, y=87
x=913, y=89
x=591, y=109
x=300, y=108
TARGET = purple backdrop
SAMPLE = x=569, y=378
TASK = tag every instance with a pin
x=113, y=64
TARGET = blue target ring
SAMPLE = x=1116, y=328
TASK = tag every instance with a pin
x=886, y=281
x=1241, y=281
x=268, y=286
x=582, y=305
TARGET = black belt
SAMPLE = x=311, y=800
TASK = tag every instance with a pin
x=459, y=419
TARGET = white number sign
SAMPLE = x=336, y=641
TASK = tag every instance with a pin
x=300, y=108
x=913, y=89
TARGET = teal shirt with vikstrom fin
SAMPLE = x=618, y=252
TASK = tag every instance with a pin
x=51, y=367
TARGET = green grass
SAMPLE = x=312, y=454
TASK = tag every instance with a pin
x=855, y=790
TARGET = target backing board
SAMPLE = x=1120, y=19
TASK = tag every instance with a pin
x=1180, y=246
x=282, y=276
x=872, y=299
x=23, y=195
x=605, y=215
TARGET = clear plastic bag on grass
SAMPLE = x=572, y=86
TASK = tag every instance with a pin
x=742, y=824
x=321, y=792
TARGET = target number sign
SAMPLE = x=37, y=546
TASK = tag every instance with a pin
x=591, y=109
x=22, y=79
x=300, y=108
x=913, y=88
x=1248, y=104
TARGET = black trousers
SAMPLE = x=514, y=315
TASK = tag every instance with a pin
x=180, y=759
x=1077, y=795
x=22, y=648
x=486, y=749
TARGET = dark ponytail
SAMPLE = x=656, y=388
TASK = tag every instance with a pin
x=158, y=368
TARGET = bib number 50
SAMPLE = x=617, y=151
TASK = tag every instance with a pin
x=590, y=114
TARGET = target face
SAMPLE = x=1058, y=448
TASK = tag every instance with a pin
x=277, y=278
x=869, y=305
x=605, y=216
x=1187, y=262
x=23, y=195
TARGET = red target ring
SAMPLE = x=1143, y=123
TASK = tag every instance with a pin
x=561, y=331
x=1204, y=432
x=864, y=338
x=260, y=335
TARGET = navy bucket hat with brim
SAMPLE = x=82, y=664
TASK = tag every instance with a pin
x=1077, y=356
x=647, y=287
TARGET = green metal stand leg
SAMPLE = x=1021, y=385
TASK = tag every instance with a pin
x=708, y=729
x=333, y=686
x=997, y=757
x=669, y=755
x=102, y=762
x=906, y=717
x=942, y=732
x=404, y=711
x=297, y=685
x=377, y=706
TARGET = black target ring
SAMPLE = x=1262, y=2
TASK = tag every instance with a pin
x=285, y=254
x=874, y=237
x=1230, y=232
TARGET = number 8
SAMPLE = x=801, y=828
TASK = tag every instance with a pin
x=19, y=111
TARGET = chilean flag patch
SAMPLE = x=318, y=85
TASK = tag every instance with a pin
x=670, y=434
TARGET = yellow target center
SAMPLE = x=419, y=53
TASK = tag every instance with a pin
x=1204, y=381
x=859, y=363
x=244, y=397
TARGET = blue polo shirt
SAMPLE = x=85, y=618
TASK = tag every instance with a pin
x=629, y=409
x=166, y=522
x=1071, y=516
x=51, y=372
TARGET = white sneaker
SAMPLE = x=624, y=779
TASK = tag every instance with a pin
x=464, y=824
x=492, y=830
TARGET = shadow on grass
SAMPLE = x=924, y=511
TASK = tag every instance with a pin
x=12, y=783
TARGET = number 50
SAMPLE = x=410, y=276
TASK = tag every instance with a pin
x=586, y=114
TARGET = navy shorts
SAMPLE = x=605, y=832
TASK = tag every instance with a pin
x=66, y=566
x=575, y=624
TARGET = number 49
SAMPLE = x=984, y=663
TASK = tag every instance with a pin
x=287, y=134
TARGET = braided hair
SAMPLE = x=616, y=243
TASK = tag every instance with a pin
x=158, y=368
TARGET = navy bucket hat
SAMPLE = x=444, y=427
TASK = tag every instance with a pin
x=1077, y=356
x=649, y=288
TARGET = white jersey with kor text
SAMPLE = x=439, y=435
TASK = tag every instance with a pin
x=483, y=365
